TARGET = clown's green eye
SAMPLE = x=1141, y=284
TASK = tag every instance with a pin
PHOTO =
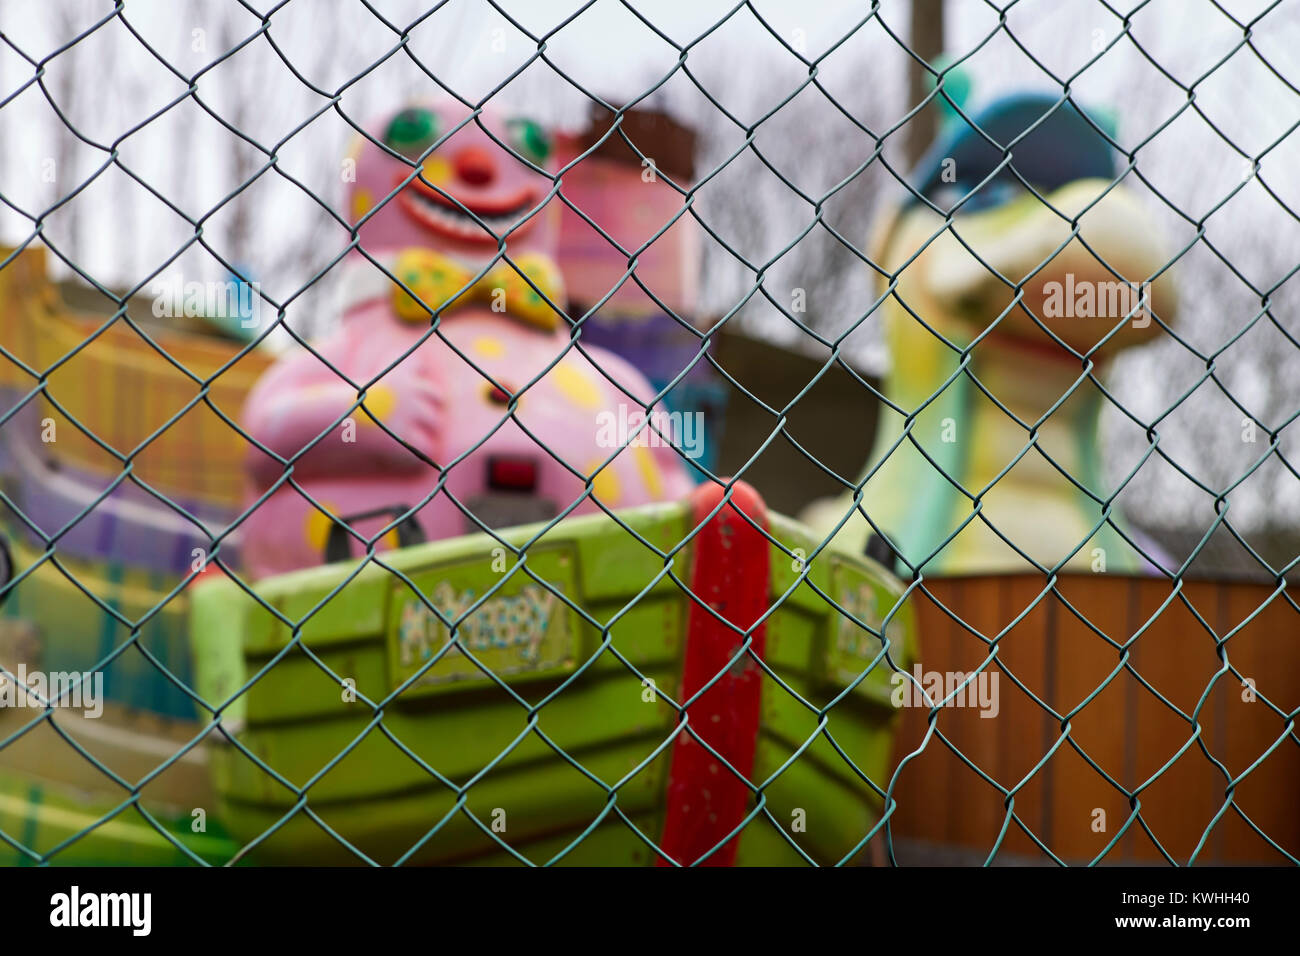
x=529, y=140
x=412, y=132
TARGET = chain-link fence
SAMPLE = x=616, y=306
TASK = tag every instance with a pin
x=404, y=404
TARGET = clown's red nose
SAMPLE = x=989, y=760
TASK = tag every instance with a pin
x=474, y=165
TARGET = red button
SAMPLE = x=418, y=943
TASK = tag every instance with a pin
x=512, y=473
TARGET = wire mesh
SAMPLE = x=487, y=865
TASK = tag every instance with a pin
x=121, y=425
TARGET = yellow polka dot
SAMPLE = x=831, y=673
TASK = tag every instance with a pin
x=575, y=386
x=645, y=464
x=604, y=484
x=317, y=527
x=380, y=401
x=362, y=200
x=489, y=347
x=437, y=170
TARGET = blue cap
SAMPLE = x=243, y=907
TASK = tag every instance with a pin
x=1063, y=147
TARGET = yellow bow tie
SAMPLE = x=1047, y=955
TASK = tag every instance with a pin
x=437, y=279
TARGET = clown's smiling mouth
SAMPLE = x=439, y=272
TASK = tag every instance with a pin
x=441, y=215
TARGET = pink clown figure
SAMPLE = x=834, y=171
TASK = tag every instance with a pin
x=478, y=410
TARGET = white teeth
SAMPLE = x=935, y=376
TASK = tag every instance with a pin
x=459, y=221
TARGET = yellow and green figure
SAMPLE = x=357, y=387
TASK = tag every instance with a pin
x=1019, y=266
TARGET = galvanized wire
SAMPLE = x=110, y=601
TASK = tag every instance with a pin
x=918, y=579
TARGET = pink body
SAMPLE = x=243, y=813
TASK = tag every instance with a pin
x=434, y=399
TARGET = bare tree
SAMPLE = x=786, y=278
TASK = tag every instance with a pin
x=65, y=92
